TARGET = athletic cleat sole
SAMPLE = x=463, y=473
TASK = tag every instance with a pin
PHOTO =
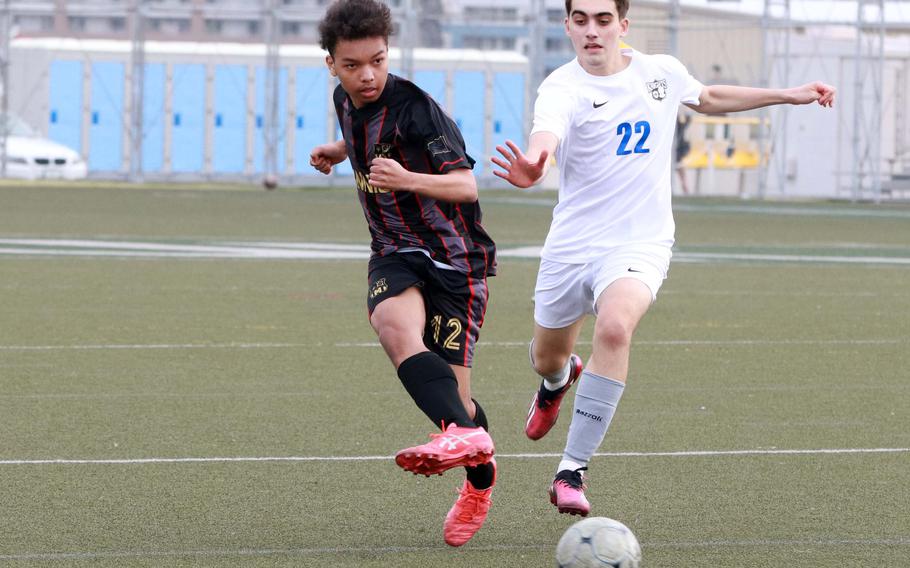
x=420, y=464
x=567, y=510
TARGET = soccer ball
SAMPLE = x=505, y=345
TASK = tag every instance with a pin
x=598, y=542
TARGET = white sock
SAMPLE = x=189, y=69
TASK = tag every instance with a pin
x=559, y=380
x=555, y=381
x=569, y=464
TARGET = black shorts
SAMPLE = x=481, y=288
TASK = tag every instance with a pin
x=455, y=303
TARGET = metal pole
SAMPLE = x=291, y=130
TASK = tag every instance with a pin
x=785, y=109
x=857, y=102
x=4, y=98
x=537, y=25
x=673, y=29
x=408, y=39
x=137, y=91
x=763, y=114
x=272, y=86
x=877, y=110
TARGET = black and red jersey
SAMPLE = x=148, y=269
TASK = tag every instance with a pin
x=408, y=126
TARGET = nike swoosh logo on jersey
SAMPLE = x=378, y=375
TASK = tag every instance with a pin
x=596, y=105
x=633, y=270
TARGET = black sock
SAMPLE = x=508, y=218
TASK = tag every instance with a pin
x=480, y=417
x=481, y=477
x=433, y=386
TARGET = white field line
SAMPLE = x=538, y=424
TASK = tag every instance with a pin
x=333, y=251
x=115, y=346
x=252, y=552
x=297, y=459
x=690, y=342
x=883, y=212
x=375, y=344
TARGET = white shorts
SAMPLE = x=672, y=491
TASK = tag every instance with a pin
x=567, y=292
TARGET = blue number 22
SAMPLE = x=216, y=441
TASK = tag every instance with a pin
x=642, y=127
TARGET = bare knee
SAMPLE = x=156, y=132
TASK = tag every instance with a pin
x=398, y=341
x=613, y=334
x=549, y=361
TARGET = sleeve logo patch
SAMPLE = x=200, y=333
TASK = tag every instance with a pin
x=439, y=146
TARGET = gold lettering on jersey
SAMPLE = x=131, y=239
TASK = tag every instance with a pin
x=363, y=184
x=382, y=150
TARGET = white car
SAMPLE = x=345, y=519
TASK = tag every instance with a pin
x=30, y=156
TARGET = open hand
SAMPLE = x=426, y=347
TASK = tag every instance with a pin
x=519, y=170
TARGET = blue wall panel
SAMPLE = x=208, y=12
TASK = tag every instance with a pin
x=229, y=138
x=259, y=141
x=153, y=118
x=106, y=126
x=311, y=102
x=65, y=99
x=508, y=108
x=469, y=115
x=434, y=83
x=188, y=120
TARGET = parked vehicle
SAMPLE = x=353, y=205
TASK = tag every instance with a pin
x=31, y=156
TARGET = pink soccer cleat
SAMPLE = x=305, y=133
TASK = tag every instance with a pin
x=544, y=408
x=568, y=493
x=468, y=513
x=456, y=446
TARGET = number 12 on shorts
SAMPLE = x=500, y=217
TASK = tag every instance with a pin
x=643, y=128
x=453, y=326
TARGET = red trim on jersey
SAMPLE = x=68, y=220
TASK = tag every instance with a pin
x=404, y=222
x=385, y=112
x=483, y=312
x=467, y=334
x=444, y=164
x=464, y=225
x=430, y=225
x=464, y=245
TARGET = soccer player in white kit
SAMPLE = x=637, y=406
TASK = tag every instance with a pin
x=609, y=116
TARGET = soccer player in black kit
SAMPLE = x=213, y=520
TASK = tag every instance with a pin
x=427, y=290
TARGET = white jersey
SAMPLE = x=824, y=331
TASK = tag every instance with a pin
x=615, y=143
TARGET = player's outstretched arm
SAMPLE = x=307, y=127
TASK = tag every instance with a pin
x=454, y=186
x=730, y=98
x=524, y=170
x=327, y=155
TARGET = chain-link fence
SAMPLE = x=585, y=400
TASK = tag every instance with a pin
x=230, y=90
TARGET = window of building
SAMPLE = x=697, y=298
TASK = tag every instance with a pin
x=117, y=24
x=556, y=15
x=169, y=26
x=491, y=13
x=76, y=23
x=34, y=23
x=555, y=44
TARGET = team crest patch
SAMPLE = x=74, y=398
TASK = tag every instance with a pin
x=382, y=150
x=379, y=287
x=658, y=89
x=439, y=146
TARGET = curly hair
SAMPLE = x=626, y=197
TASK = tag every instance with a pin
x=354, y=19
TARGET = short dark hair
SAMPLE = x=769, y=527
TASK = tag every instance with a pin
x=622, y=7
x=354, y=19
